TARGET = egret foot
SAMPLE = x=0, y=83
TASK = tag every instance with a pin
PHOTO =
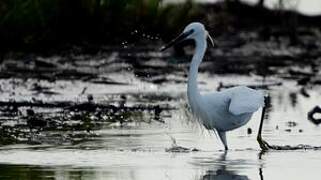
x=263, y=144
x=226, y=148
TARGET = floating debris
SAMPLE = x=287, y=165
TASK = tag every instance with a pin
x=297, y=147
x=304, y=92
x=311, y=114
x=181, y=149
x=291, y=124
x=177, y=149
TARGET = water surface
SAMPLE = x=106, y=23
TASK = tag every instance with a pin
x=137, y=150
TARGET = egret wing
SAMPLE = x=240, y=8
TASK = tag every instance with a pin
x=245, y=100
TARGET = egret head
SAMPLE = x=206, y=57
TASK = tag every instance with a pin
x=192, y=31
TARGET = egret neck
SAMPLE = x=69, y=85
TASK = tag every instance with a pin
x=193, y=93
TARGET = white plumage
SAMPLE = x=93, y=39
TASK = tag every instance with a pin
x=244, y=100
x=231, y=108
x=225, y=110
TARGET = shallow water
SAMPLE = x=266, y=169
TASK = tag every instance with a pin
x=137, y=150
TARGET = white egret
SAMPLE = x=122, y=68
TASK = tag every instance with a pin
x=221, y=111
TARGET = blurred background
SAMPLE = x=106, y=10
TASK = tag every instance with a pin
x=41, y=25
x=85, y=92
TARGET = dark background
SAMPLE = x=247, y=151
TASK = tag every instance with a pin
x=39, y=26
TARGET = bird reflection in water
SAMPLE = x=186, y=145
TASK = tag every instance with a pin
x=221, y=173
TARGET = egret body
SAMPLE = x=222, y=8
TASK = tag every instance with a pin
x=224, y=110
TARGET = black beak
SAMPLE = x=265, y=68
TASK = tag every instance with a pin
x=178, y=39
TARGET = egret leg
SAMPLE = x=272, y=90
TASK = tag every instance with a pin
x=263, y=144
x=222, y=135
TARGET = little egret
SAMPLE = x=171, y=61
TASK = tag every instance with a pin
x=221, y=111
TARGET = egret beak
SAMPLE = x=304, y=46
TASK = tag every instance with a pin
x=212, y=41
x=178, y=39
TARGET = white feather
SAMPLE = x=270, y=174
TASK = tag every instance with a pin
x=245, y=100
